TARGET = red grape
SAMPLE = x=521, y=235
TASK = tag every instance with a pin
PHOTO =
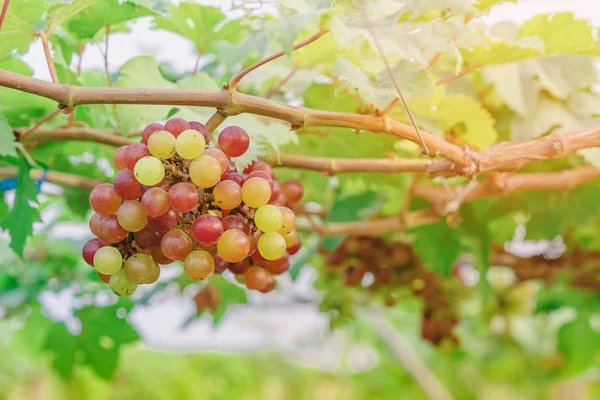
x=176, y=245
x=254, y=242
x=119, y=158
x=259, y=259
x=259, y=165
x=207, y=229
x=219, y=156
x=257, y=278
x=134, y=152
x=165, y=222
x=176, y=126
x=197, y=126
x=112, y=232
x=234, y=141
x=90, y=248
x=95, y=224
x=155, y=202
x=220, y=264
x=103, y=278
x=233, y=176
x=293, y=249
x=105, y=199
x=239, y=267
x=293, y=190
x=275, y=191
x=148, y=238
x=280, y=266
x=183, y=197
x=269, y=286
x=262, y=174
x=235, y=221
x=159, y=257
x=127, y=186
x=149, y=130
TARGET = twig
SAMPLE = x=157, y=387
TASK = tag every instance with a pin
x=108, y=76
x=197, y=62
x=214, y=121
x=80, y=61
x=282, y=82
x=42, y=121
x=409, y=195
x=48, y=54
x=405, y=354
x=463, y=72
x=61, y=178
x=67, y=134
x=236, y=79
x=4, y=11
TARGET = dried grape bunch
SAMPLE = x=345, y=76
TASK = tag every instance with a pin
x=177, y=199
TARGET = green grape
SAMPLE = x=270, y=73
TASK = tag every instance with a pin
x=233, y=246
x=268, y=218
x=288, y=221
x=131, y=216
x=256, y=192
x=162, y=145
x=141, y=268
x=149, y=171
x=199, y=265
x=271, y=246
x=190, y=144
x=205, y=172
x=121, y=286
x=108, y=260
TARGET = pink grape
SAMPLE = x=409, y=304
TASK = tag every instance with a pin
x=127, y=186
x=228, y=195
x=198, y=126
x=234, y=141
x=90, y=248
x=235, y=221
x=233, y=176
x=270, y=284
x=165, y=222
x=261, y=174
x=95, y=224
x=119, y=158
x=183, y=197
x=293, y=249
x=111, y=230
x=219, y=156
x=149, y=130
x=105, y=199
x=176, y=126
x=280, y=266
x=259, y=165
x=256, y=278
x=135, y=152
x=239, y=267
x=131, y=216
x=155, y=202
x=148, y=238
x=259, y=259
x=207, y=229
x=220, y=264
x=293, y=190
x=176, y=245
x=159, y=257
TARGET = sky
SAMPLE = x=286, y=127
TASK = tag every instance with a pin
x=272, y=322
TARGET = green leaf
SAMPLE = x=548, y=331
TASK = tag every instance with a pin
x=17, y=30
x=230, y=294
x=60, y=13
x=437, y=245
x=578, y=344
x=548, y=116
x=7, y=139
x=22, y=215
x=203, y=25
x=515, y=83
x=99, y=343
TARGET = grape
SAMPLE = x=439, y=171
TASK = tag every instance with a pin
x=149, y=171
x=155, y=202
x=176, y=244
x=162, y=145
x=228, y=195
x=111, y=230
x=290, y=238
x=149, y=130
x=127, y=186
x=96, y=225
x=279, y=201
x=271, y=246
x=141, y=268
x=134, y=153
x=270, y=285
x=233, y=246
x=259, y=165
x=288, y=221
x=148, y=237
x=105, y=199
x=256, y=278
x=275, y=191
x=165, y=222
x=219, y=156
x=119, y=158
x=261, y=174
x=176, y=126
x=256, y=192
x=207, y=229
x=199, y=265
x=108, y=260
x=103, y=278
x=131, y=216
x=90, y=248
x=235, y=221
x=198, y=126
x=280, y=266
x=234, y=141
x=183, y=197
x=254, y=242
x=220, y=264
x=120, y=285
x=268, y=218
x=205, y=171
x=159, y=257
x=190, y=144
x=239, y=267
x=233, y=176
x=231, y=168
x=211, y=249
x=293, y=190
x=295, y=247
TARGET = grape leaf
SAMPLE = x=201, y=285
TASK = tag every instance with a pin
x=578, y=344
x=515, y=84
x=547, y=116
x=437, y=245
x=99, y=343
x=17, y=30
x=61, y=12
x=487, y=4
x=230, y=294
x=19, y=220
x=7, y=139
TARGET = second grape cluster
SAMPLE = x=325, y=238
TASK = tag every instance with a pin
x=177, y=199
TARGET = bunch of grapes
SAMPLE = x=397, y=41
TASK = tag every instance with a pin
x=177, y=199
x=393, y=264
